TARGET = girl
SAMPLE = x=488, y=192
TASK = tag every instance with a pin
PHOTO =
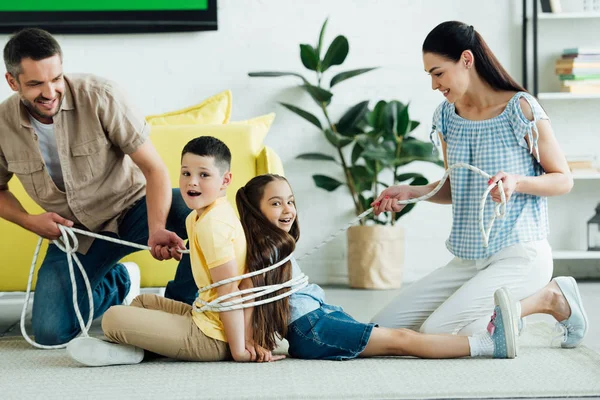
x=316, y=330
x=489, y=121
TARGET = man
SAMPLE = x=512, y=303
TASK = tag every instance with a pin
x=83, y=154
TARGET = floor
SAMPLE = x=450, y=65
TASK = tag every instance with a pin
x=362, y=304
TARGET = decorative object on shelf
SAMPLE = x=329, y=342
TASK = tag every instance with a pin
x=381, y=141
x=591, y=5
x=552, y=6
x=593, y=236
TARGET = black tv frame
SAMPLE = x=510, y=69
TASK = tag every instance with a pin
x=112, y=21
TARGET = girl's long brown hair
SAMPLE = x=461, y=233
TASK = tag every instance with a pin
x=267, y=244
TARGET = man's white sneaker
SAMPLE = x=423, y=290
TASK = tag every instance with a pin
x=135, y=278
x=98, y=353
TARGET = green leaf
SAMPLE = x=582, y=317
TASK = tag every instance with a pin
x=321, y=35
x=404, y=211
x=304, y=114
x=395, y=119
x=327, y=183
x=316, y=156
x=420, y=181
x=413, y=125
x=347, y=124
x=383, y=184
x=336, y=53
x=362, y=177
x=356, y=153
x=336, y=139
x=318, y=94
x=403, y=122
x=404, y=177
x=365, y=201
x=416, y=150
x=342, y=76
x=375, y=117
x=384, y=152
x=274, y=74
x=374, y=167
x=309, y=57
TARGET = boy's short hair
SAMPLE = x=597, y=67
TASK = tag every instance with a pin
x=208, y=146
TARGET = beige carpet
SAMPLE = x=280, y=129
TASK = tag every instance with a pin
x=539, y=371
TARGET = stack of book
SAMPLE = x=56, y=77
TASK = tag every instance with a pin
x=579, y=70
x=583, y=165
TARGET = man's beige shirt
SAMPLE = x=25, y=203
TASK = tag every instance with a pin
x=95, y=129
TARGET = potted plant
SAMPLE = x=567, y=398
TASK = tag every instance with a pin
x=368, y=141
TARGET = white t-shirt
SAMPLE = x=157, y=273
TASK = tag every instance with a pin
x=49, y=150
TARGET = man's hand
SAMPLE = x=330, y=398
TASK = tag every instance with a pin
x=164, y=245
x=46, y=225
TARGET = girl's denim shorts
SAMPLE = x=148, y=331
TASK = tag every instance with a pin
x=327, y=334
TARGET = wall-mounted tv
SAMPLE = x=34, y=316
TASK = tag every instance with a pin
x=109, y=16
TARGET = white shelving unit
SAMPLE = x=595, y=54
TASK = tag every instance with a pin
x=557, y=97
x=575, y=255
x=568, y=96
x=586, y=175
x=569, y=15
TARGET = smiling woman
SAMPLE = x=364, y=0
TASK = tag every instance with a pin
x=110, y=16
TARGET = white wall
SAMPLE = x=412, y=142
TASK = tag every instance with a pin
x=164, y=72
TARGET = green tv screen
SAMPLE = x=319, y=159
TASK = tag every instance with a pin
x=109, y=16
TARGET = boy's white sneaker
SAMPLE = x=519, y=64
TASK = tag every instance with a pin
x=98, y=353
x=135, y=277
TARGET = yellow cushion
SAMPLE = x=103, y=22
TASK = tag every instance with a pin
x=214, y=110
x=261, y=126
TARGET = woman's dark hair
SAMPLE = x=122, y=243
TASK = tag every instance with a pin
x=267, y=245
x=451, y=38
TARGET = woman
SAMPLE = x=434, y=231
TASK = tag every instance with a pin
x=489, y=121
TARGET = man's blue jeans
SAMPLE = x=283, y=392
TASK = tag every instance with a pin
x=54, y=319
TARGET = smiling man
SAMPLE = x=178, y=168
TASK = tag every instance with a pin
x=82, y=153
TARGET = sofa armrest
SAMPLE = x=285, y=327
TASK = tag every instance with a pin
x=268, y=162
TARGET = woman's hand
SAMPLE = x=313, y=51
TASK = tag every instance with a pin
x=388, y=199
x=509, y=182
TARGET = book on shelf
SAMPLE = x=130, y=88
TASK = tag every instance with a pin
x=578, y=62
x=577, y=71
x=587, y=82
x=571, y=77
x=582, y=162
x=580, y=51
x=582, y=89
x=570, y=58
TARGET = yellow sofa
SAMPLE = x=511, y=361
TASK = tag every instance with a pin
x=249, y=158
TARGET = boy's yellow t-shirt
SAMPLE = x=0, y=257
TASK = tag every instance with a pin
x=215, y=237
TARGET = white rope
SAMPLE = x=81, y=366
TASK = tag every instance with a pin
x=499, y=211
x=220, y=304
x=70, y=251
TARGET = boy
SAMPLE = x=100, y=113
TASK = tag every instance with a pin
x=217, y=252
